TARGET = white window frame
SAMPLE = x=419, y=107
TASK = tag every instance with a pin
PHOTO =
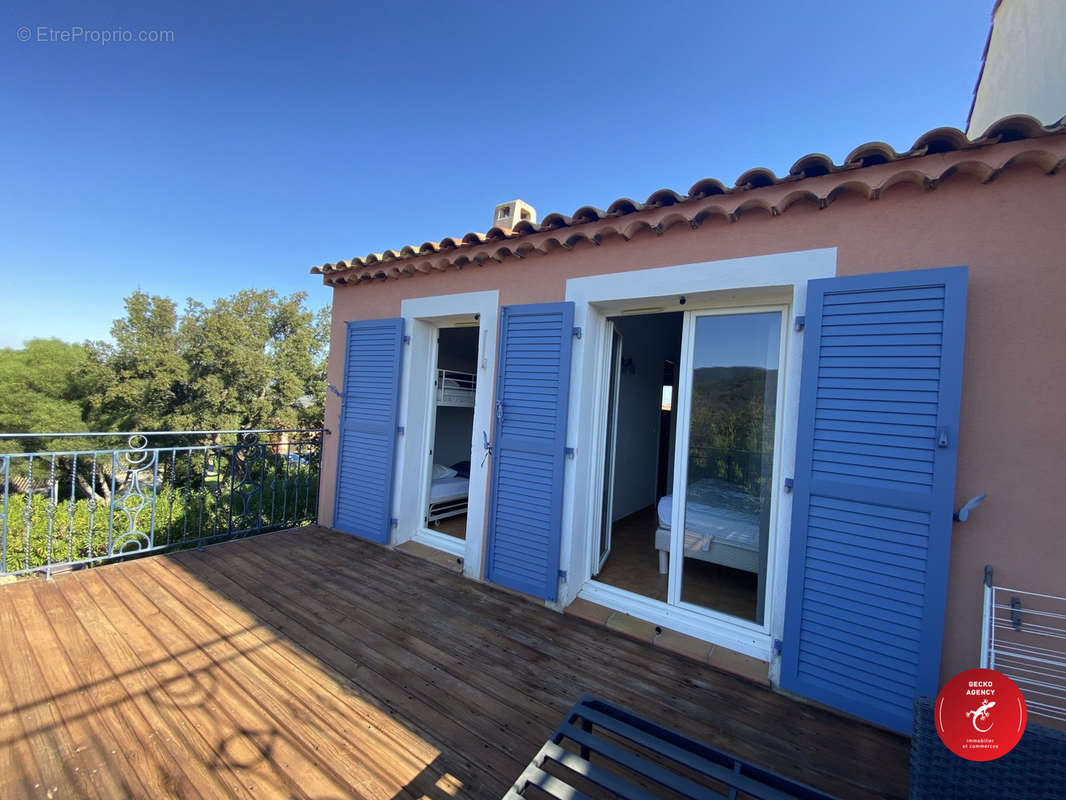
x=777, y=279
x=681, y=452
x=423, y=317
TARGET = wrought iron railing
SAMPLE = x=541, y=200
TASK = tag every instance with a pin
x=749, y=469
x=148, y=492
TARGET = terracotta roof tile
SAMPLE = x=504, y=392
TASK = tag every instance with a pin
x=871, y=153
x=710, y=198
x=707, y=187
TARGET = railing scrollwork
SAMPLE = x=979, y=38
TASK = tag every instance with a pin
x=154, y=491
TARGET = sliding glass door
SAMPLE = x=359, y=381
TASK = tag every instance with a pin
x=724, y=463
x=607, y=506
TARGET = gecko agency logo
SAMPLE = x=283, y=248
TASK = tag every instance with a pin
x=980, y=714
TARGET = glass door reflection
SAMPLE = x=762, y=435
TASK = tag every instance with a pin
x=732, y=424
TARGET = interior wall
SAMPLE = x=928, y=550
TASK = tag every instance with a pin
x=457, y=350
x=673, y=417
x=453, y=435
x=647, y=341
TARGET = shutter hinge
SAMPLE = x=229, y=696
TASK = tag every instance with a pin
x=577, y=333
x=400, y=429
x=789, y=483
x=335, y=390
x=569, y=452
x=406, y=339
x=778, y=644
x=394, y=523
x=562, y=574
x=801, y=322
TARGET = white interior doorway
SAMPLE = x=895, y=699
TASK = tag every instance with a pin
x=690, y=437
x=638, y=451
x=772, y=283
x=453, y=388
x=476, y=313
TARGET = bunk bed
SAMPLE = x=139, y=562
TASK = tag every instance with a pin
x=448, y=495
x=456, y=388
x=450, y=486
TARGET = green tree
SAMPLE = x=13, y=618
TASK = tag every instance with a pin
x=252, y=360
x=42, y=388
x=139, y=381
x=256, y=360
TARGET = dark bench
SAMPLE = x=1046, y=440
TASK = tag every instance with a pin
x=600, y=746
x=1034, y=770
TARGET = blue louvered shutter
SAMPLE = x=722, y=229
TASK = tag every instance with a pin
x=369, y=408
x=529, y=444
x=874, y=487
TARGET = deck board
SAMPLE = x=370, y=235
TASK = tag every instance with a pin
x=311, y=664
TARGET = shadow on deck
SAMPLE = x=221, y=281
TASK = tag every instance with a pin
x=307, y=663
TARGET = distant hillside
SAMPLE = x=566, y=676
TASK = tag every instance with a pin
x=731, y=434
x=733, y=388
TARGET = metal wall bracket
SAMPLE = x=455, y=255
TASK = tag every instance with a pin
x=801, y=322
x=394, y=523
x=963, y=513
x=562, y=574
x=406, y=339
x=778, y=644
x=789, y=484
x=400, y=429
x=577, y=333
x=569, y=452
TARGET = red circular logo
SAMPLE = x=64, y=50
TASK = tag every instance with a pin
x=980, y=714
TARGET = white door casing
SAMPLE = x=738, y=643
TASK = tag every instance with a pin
x=778, y=279
x=422, y=316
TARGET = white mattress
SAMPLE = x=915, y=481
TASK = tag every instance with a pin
x=716, y=510
x=448, y=488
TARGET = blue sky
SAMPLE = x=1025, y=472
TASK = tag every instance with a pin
x=738, y=340
x=259, y=143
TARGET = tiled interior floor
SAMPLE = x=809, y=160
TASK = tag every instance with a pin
x=634, y=566
x=453, y=526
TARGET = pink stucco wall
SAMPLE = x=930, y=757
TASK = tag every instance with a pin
x=1011, y=233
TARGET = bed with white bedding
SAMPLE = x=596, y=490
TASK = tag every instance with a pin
x=722, y=525
x=447, y=496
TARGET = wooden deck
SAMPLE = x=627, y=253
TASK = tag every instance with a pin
x=311, y=664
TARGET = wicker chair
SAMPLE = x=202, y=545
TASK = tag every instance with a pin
x=1034, y=770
